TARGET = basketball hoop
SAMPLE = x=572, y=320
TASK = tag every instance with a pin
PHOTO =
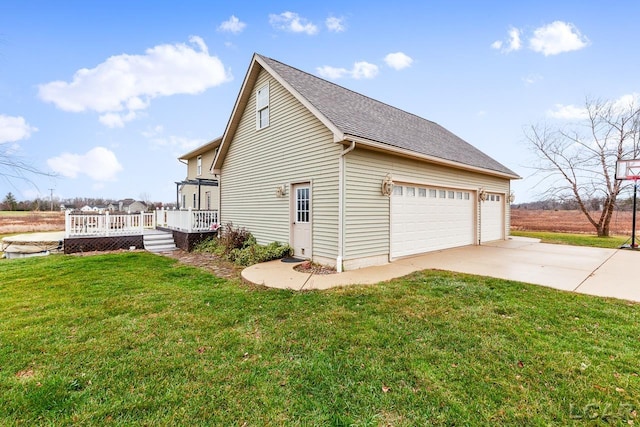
x=629, y=170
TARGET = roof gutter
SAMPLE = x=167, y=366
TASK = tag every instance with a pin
x=341, y=202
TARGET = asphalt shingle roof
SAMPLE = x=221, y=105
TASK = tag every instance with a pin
x=360, y=116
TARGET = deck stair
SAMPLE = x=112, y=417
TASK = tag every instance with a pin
x=159, y=241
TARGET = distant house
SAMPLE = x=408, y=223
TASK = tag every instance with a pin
x=347, y=180
x=127, y=205
x=199, y=190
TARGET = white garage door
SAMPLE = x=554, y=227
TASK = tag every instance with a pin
x=426, y=219
x=492, y=218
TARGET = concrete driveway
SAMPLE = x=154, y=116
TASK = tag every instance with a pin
x=594, y=271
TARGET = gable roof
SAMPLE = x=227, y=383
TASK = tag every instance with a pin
x=201, y=149
x=355, y=117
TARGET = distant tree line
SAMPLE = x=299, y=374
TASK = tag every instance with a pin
x=10, y=203
x=593, y=204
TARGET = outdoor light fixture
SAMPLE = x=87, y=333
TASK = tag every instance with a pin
x=387, y=185
x=482, y=194
x=512, y=197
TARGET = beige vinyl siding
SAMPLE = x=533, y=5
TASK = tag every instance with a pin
x=367, y=222
x=295, y=147
x=190, y=190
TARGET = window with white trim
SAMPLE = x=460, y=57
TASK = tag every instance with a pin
x=397, y=190
x=422, y=192
x=262, y=107
x=199, y=165
x=432, y=193
x=411, y=191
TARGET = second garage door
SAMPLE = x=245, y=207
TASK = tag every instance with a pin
x=426, y=219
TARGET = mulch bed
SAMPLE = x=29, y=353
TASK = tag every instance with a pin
x=312, y=268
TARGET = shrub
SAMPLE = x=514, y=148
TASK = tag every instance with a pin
x=254, y=253
x=240, y=247
x=235, y=238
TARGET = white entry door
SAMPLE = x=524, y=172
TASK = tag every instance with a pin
x=301, y=228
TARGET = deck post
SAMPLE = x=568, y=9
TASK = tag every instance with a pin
x=190, y=220
x=67, y=223
x=106, y=223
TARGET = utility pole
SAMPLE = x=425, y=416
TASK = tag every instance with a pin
x=51, y=190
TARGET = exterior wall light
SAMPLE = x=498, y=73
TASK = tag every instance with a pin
x=387, y=185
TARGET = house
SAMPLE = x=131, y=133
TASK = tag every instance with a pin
x=199, y=190
x=127, y=205
x=349, y=181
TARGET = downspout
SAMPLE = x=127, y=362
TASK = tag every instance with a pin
x=341, y=191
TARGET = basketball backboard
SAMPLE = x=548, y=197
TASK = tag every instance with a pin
x=628, y=169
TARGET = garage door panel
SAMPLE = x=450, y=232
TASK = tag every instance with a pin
x=492, y=218
x=423, y=223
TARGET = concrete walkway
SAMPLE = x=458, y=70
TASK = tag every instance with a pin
x=594, y=271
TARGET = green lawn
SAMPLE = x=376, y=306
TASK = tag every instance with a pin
x=136, y=339
x=612, y=242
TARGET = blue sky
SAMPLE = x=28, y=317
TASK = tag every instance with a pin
x=107, y=94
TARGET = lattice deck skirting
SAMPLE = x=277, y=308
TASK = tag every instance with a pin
x=90, y=244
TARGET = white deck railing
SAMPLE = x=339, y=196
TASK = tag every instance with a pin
x=187, y=220
x=108, y=224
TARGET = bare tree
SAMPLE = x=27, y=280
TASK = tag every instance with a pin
x=13, y=168
x=578, y=162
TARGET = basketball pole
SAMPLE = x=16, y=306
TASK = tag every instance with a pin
x=633, y=220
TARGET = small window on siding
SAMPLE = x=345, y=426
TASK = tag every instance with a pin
x=451, y=194
x=397, y=190
x=422, y=192
x=466, y=196
x=459, y=195
x=433, y=193
x=262, y=107
x=411, y=191
x=199, y=165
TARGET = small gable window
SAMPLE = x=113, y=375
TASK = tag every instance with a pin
x=199, y=165
x=262, y=107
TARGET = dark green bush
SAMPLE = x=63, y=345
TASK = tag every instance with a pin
x=240, y=247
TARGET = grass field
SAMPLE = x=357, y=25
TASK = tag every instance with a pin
x=611, y=242
x=136, y=339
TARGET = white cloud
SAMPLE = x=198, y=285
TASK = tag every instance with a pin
x=329, y=72
x=568, y=112
x=364, y=70
x=360, y=70
x=125, y=84
x=334, y=24
x=557, y=37
x=233, y=25
x=292, y=22
x=398, y=60
x=531, y=79
x=513, y=44
x=99, y=164
x=572, y=112
x=14, y=128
